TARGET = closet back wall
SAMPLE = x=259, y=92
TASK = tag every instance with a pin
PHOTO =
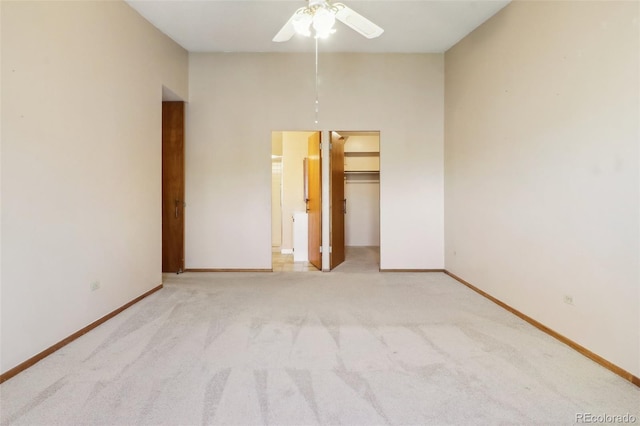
x=362, y=189
x=362, y=222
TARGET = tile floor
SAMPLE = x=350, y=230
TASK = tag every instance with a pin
x=358, y=259
x=284, y=263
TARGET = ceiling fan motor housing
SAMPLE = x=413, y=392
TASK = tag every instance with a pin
x=318, y=3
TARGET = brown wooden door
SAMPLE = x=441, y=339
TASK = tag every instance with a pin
x=338, y=201
x=172, y=186
x=314, y=200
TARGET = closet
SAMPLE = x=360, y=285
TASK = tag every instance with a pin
x=362, y=188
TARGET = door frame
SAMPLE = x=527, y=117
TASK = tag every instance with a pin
x=284, y=212
x=173, y=186
x=327, y=185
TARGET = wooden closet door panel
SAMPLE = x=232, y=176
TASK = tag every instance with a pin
x=172, y=186
x=338, y=201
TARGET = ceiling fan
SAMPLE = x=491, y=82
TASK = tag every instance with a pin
x=320, y=15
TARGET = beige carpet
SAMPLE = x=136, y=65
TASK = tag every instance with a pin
x=353, y=346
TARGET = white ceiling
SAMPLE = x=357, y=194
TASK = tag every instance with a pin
x=249, y=25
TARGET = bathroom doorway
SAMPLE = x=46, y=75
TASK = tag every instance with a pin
x=296, y=201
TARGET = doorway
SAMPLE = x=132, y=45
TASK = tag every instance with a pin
x=355, y=200
x=172, y=186
x=296, y=201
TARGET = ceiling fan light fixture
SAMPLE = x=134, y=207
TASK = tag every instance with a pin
x=323, y=21
x=322, y=15
x=302, y=22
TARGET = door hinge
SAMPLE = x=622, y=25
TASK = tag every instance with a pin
x=330, y=145
x=330, y=249
x=320, y=249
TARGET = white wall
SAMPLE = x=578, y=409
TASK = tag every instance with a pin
x=542, y=181
x=81, y=165
x=276, y=202
x=237, y=100
x=1, y=32
x=276, y=189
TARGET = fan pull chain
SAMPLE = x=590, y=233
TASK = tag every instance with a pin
x=317, y=102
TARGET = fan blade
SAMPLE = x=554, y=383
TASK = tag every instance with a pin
x=358, y=22
x=286, y=32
